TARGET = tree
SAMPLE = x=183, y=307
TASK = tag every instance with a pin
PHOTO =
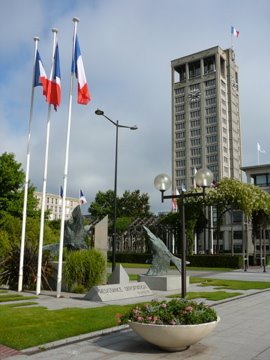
x=228, y=194
x=131, y=204
x=134, y=204
x=11, y=185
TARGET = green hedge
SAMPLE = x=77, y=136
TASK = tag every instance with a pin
x=222, y=261
x=132, y=258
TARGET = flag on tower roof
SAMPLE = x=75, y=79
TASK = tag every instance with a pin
x=235, y=32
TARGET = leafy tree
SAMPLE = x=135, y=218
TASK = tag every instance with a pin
x=11, y=185
x=131, y=204
x=228, y=194
x=103, y=205
x=134, y=204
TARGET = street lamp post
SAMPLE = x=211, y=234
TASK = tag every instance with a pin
x=117, y=126
x=162, y=182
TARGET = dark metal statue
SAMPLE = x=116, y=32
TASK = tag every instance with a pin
x=161, y=256
x=74, y=233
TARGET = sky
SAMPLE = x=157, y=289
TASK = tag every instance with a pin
x=127, y=47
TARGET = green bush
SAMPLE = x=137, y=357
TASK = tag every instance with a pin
x=222, y=261
x=137, y=258
x=84, y=268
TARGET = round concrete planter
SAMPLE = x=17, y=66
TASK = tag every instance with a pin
x=173, y=337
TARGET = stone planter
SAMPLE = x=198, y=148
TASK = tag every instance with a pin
x=173, y=337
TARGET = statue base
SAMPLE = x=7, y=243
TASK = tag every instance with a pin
x=163, y=282
x=111, y=292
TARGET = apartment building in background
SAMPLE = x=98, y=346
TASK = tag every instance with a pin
x=205, y=116
x=54, y=205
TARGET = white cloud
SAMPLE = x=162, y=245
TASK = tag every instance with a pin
x=127, y=47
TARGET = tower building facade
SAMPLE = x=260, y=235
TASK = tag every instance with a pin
x=205, y=116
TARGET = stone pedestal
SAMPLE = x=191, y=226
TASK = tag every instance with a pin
x=163, y=282
x=118, y=292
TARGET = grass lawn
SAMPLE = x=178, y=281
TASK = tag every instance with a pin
x=231, y=284
x=22, y=327
x=211, y=295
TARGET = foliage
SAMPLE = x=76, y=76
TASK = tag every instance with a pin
x=232, y=262
x=131, y=204
x=226, y=195
x=140, y=258
x=122, y=224
x=84, y=267
x=11, y=184
x=173, y=312
x=9, y=266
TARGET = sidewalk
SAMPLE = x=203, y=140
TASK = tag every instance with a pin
x=242, y=334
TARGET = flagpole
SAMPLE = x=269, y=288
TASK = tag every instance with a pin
x=26, y=184
x=61, y=242
x=43, y=204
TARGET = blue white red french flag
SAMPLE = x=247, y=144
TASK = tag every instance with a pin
x=40, y=77
x=53, y=95
x=82, y=198
x=78, y=68
x=235, y=32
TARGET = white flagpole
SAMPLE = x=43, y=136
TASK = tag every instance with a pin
x=26, y=184
x=43, y=204
x=61, y=242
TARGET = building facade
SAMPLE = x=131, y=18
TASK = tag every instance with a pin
x=205, y=116
x=54, y=205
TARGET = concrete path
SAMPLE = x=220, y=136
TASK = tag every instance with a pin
x=242, y=334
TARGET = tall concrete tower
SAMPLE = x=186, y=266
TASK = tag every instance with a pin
x=205, y=116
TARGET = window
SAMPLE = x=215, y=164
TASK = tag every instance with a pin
x=211, y=110
x=261, y=179
x=238, y=235
x=195, y=123
x=195, y=142
x=179, y=91
x=194, y=114
x=181, y=70
x=211, y=119
x=180, y=144
x=194, y=69
x=180, y=126
x=211, y=129
x=211, y=149
x=180, y=135
x=237, y=217
x=179, y=108
x=180, y=153
x=210, y=83
x=209, y=64
x=180, y=117
x=180, y=163
x=211, y=139
x=196, y=132
x=196, y=151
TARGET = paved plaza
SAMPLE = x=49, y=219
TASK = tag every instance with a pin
x=242, y=334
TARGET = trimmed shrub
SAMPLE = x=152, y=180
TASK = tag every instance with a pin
x=218, y=261
x=138, y=258
x=84, y=268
